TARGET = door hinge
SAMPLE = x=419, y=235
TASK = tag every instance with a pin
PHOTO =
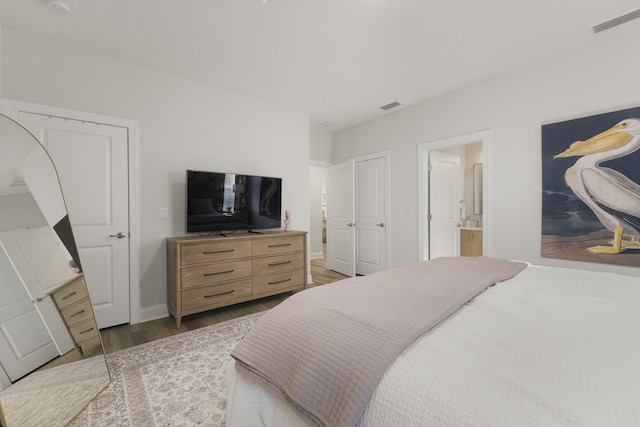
x=429, y=217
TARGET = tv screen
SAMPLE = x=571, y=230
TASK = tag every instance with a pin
x=219, y=201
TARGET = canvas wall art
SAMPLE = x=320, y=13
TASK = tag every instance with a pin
x=591, y=188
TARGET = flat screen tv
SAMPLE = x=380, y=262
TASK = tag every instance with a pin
x=219, y=201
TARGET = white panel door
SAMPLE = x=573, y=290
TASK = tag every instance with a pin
x=370, y=217
x=340, y=219
x=92, y=162
x=42, y=263
x=25, y=343
x=444, y=205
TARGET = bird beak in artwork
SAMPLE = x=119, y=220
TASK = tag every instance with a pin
x=605, y=141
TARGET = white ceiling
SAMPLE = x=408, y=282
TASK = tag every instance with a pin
x=338, y=60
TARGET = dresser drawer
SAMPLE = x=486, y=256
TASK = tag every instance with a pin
x=208, y=295
x=215, y=273
x=78, y=313
x=84, y=331
x=274, y=282
x=91, y=343
x=214, y=251
x=276, y=245
x=70, y=293
x=277, y=264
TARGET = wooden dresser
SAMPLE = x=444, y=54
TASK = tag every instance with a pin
x=210, y=272
x=72, y=300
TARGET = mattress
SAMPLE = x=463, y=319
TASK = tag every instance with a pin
x=551, y=346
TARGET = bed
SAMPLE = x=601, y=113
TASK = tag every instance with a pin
x=548, y=346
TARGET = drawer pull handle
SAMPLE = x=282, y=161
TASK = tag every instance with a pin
x=279, y=263
x=85, y=331
x=69, y=296
x=218, y=252
x=218, y=272
x=77, y=314
x=220, y=294
x=280, y=245
x=280, y=281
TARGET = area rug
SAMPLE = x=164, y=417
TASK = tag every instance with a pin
x=175, y=381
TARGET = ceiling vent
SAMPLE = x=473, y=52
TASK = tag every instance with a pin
x=391, y=105
x=17, y=181
x=623, y=19
x=321, y=123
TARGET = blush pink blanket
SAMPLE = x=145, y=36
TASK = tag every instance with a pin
x=325, y=349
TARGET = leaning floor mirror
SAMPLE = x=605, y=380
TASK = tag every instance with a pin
x=52, y=362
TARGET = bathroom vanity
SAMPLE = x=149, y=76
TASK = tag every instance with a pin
x=471, y=241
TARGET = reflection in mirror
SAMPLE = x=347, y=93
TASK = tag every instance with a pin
x=477, y=188
x=52, y=362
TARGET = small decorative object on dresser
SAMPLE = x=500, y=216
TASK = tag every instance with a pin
x=287, y=221
x=209, y=272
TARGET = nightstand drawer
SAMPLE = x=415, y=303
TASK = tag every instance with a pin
x=216, y=251
x=70, y=293
x=277, y=264
x=276, y=245
x=215, y=273
x=274, y=282
x=208, y=295
x=78, y=313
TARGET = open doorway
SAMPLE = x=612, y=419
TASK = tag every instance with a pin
x=320, y=275
x=472, y=217
x=318, y=192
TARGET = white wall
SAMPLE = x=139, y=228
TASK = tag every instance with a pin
x=320, y=145
x=1, y=67
x=182, y=124
x=592, y=80
x=20, y=211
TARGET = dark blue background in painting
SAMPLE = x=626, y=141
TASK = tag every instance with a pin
x=564, y=214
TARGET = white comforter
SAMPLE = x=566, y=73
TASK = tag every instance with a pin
x=552, y=347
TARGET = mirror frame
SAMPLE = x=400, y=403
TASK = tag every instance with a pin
x=62, y=230
x=477, y=188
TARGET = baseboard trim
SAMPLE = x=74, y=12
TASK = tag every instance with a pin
x=154, y=312
x=316, y=255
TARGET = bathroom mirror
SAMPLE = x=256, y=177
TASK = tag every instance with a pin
x=52, y=362
x=477, y=188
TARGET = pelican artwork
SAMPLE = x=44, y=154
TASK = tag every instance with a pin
x=614, y=198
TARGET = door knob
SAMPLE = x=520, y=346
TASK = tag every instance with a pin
x=351, y=224
x=120, y=235
x=380, y=225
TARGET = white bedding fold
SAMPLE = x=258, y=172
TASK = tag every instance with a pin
x=550, y=347
x=325, y=349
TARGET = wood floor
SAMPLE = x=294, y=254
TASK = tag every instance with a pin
x=124, y=336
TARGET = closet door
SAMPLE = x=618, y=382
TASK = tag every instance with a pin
x=92, y=164
x=340, y=219
x=25, y=343
x=371, y=215
x=357, y=213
